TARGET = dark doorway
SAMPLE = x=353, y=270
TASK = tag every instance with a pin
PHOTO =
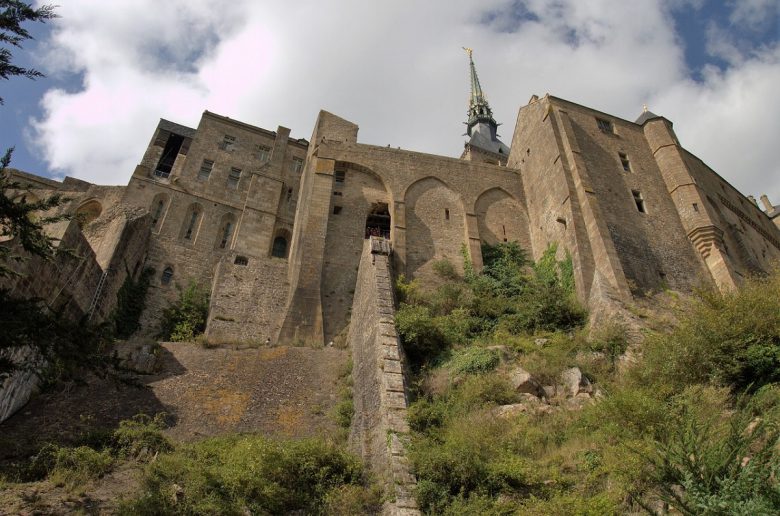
x=170, y=151
x=378, y=221
x=279, y=249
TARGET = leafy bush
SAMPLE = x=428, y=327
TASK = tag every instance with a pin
x=249, y=474
x=72, y=467
x=711, y=464
x=141, y=436
x=731, y=338
x=444, y=269
x=186, y=318
x=474, y=360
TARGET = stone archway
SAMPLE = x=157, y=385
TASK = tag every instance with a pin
x=500, y=218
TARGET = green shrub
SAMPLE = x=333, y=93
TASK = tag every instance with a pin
x=611, y=340
x=141, y=436
x=343, y=412
x=444, y=269
x=731, y=338
x=725, y=465
x=422, y=337
x=248, y=474
x=186, y=318
x=474, y=360
x=72, y=467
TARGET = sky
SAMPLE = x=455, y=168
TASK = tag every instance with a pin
x=395, y=68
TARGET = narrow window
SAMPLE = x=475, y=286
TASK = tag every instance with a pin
x=289, y=194
x=241, y=260
x=279, y=249
x=639, y=200
x=166, y=276
x=205, y=169
x=695, y=207
x=624, y=161
x=191, y=225
x=336, y=210
x=339, y=176
x=158, y=212
x=296, y=165
x=340, y=194
x=605, y=126
x=228, y=142
x=446, y=214
x=263, y=152
x=226, y=232
x=234, y=177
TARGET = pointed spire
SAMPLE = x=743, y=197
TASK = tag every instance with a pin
x=479, y=109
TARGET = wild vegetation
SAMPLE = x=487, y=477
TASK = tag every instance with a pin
x=186, y=318
x=691, y=424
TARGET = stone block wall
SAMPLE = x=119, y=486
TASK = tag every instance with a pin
x=379, y=426
x=247, y=301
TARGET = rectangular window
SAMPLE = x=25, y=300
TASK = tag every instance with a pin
x=695, y=207
x=234, y=177
x=296, y=165
x=605, y=125
x=336, y=210
x=205, y=170
x=263, y=152
x=339, y=176
x=624, y=161
x=639, y=200
x=446, y=214
x=227, y=143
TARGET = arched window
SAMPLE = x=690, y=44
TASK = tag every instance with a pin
x=167, y=274
x=225, y=231
x=157, y=210
x=191, y=222
x=279, y=249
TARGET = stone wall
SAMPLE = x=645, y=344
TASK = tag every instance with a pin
x=379, y=426
x=247, y=301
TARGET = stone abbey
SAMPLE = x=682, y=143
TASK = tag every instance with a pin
x=275, y=226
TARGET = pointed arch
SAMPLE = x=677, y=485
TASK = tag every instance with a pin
x=435, y=226
x=158, y=209
x=191, y=223
x=225, y=231
x=501, y=218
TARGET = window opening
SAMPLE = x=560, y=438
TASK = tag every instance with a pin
x=695, y=207
x=228, y=142
x=158, y=212
x=639, y=200
x=378, y=222
x=339, y=176
x=166, y=276
x=168, y=158
x=289, y=194
x=234, y=177
x=263, y=152
x=336, y=210
x=226, y=232
x=296, y=165
x=446, y=214
x=205, y=169
x=605, y=125
x=241, y=260
x=191, y=226
x=279, y=249
x=624, y=161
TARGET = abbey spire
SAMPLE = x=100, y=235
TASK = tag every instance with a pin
x=479, y=109
x=481, y=126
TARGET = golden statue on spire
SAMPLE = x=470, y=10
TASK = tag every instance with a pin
x=468, y=51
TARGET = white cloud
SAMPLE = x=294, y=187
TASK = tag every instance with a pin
x=755, y=15
x=394, y=68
